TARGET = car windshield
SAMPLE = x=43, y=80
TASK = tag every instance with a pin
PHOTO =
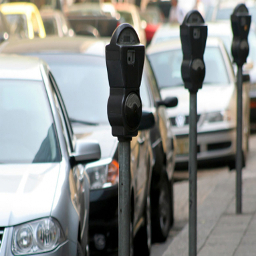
x=83, y=82
x=18, y=23
x=167, y=67
x=27, y=132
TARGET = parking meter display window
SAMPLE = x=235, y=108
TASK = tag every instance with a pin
x=240, y=22
x=128, y=37
x=166, y=66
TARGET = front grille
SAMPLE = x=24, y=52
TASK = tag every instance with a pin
x=1, y=235
x=186, y=120
x=218, y=146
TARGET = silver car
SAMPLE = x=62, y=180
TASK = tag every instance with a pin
x=216, y=102
x=44, y=193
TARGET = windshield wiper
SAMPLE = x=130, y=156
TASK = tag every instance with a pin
x=73, y=120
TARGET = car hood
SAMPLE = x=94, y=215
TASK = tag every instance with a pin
x=209, y=99
x=100, y=133
x=26, y=191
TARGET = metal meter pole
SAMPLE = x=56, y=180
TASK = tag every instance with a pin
x=240, y=23
x=124, y=200
x=193, y=175
x=239, y=154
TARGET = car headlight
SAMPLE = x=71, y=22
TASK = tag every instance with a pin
x=218, y=116
x=103, y=173
x=37, y=237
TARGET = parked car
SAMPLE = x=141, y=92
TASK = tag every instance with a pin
x=91, y=18
x=79, y=67
x=129, y=13
x=44, y=187
x=216, y=103
x=24, y=18
x=55, y=23
x=222, y=30
x=5, y=31
x=154, y=18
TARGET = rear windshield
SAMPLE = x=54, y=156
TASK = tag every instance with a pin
x=167, y=67
x=27, y=132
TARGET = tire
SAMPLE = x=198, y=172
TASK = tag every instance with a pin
x=79, y=251
x=163, y=210
x=142, y=241
x=131, y=240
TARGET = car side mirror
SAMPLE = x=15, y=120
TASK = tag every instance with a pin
x=168, y=102
x=85, y=152
x=147, y=120
x=246, y=78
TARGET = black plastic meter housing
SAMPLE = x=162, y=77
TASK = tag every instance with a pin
x=125, y=60
x=240, y=22
x=193, y=35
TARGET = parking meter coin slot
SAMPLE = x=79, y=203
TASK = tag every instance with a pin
x=133, y=110
x=193, y=34
x=240, y=22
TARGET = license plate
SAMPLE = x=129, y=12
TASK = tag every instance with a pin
x=182, y=146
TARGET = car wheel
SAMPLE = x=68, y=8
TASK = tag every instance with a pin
x=131, y=240
x=142, y=242
x=79, y=250
x=162, y=215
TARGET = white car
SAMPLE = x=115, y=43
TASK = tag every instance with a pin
x=45, y=190
x=216, y=102
x=222, y=30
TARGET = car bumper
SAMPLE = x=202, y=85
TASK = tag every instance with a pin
x=210, y=146
x=103, y=219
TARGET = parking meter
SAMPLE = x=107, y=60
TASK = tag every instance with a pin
x=193, y=34
x=125, y=59
x=240, y=22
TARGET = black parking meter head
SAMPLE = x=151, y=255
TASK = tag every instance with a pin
x=125, y=60
x=240, y=22
x=193, y=35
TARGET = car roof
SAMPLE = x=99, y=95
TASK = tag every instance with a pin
x=20, y=67
x=17, y=7
x=176, y=44
x=57, y=45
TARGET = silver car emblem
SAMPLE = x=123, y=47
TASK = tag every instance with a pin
x=180, y=120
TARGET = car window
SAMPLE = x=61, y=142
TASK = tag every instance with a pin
x=50, y=26
x=18, y=24
x=167, y=67
x=27, y=130
x=126, y=17
x=152, y=82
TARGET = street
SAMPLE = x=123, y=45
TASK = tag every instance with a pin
x=207, y=180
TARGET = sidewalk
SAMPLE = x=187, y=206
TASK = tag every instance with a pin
x=221, y=232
